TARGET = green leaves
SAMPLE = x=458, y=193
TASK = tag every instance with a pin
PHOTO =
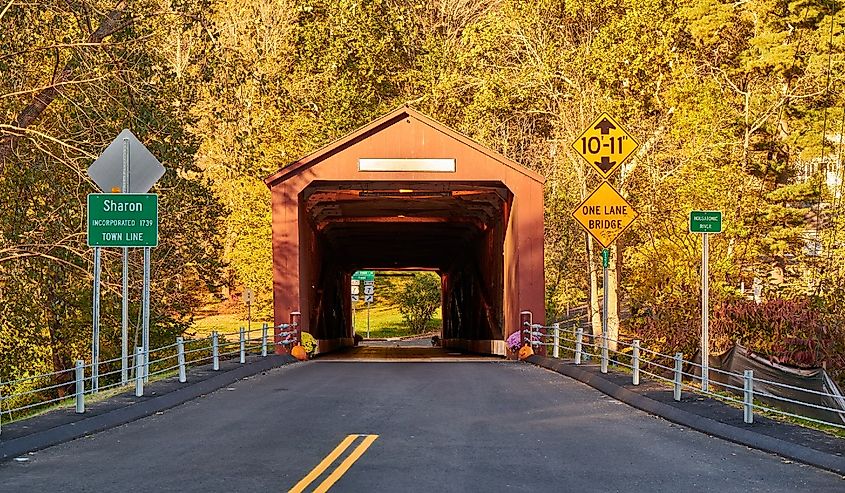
x=419, y=299
x=126, y=81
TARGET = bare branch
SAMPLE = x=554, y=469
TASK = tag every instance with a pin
x=57, y=46
x=11, y=2
x=18, y=132
x=112, y=22
x=56, y=85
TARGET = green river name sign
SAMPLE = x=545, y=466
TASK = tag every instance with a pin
x=705, y=221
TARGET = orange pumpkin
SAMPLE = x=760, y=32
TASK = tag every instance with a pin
x=525, y=351
x=299, y=353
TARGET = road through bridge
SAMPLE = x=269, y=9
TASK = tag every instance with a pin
x=406, y=426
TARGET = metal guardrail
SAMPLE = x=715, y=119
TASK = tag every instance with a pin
x=82, y=380
x=70, y=386
x=642, y=360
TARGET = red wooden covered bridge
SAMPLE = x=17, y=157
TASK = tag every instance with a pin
x=406, y=192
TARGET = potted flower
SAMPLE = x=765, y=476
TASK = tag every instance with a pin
x=516, y=348
x=514, y=341
x=308, y=343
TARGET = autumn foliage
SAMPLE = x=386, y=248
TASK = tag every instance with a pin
x=799, y=332
x=735, y=105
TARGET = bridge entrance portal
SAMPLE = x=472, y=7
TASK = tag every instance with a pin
x=405, y=192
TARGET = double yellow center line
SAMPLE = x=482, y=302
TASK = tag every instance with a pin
x=330, y=459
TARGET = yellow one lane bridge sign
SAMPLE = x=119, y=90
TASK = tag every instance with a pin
x=605, y=214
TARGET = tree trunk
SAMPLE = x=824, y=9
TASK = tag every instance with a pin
x=595, y=309
x=58, y=356
x=612, y=293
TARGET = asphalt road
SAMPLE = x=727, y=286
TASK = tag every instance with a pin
x=450, y=426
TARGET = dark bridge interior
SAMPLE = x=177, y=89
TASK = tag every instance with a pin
x=456, y=229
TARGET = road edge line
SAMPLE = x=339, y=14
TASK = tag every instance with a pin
x=708, y=426
x=67, y=432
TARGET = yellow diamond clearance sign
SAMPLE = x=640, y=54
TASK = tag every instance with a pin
x=605, y=145
x=605, y=214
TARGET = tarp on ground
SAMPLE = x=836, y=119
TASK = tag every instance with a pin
x=738, y=358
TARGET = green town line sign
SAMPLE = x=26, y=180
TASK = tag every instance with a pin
x=122, y=220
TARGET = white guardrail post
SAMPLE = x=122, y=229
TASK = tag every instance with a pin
x=215, y=356
x=579, y=337
x=180, y=359
x=635, y=362
x=604, y=352
x=678, y=368
x=243, y=348
x=139, y=371
x=748, y=396
x=556, y=350
x=80, y=386
x=264, y=340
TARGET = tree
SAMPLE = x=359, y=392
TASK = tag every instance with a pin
x=419, y=299
x=75, y=74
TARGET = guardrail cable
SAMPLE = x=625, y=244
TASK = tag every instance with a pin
x=538, y=335
x=195, y=351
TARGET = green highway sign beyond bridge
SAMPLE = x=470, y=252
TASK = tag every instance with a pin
x=364, y=275
x=122, y=220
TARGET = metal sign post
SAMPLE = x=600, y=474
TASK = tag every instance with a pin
x=145, y=305
x=249, y=297
x=124, y=310
x=369, y=297
x=605, y=263
x=112, y=172
x=705, y=223
x=124, y=322
x=355, y=291
x=705, y=312
x=95, y=336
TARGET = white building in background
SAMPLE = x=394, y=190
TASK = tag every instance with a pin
x=830, y=165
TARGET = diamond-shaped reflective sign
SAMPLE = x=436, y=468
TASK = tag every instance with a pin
x=144, y=168
x=605, y=214
x=605, y=145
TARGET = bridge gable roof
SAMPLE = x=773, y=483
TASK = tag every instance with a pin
x=423, y=138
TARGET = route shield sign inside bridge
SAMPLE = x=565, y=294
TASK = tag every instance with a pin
x=605, y=214
x=605, y=145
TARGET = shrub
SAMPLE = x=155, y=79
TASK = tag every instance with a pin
x=803, y=331
x=419, y=299
x=669, y=326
